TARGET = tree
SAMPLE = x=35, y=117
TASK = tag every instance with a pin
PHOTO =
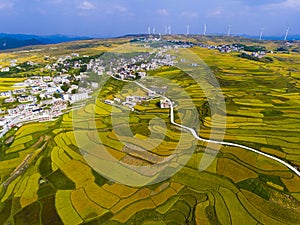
x=56, y=95
x=65, y=87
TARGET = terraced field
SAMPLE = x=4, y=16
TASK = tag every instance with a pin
x=45, y=177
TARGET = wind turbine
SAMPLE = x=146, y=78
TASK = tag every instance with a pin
x=149, y=30
x=205, y=29
x=261, y=33
x=286, y=34
x=187, y=29
x=153, y=31
x=229, y=31
x=170, y=30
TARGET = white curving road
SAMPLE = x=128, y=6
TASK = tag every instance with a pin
x=220, y=142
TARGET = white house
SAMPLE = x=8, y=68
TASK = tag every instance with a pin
x=47, y=79
x=66, y=97
x=5, y=69
x=79, y=97
x=164, y=104
x=109, y=102
x=5, y=94
x=9, y=100
x=25, y=98
x=117, y=100
x=19, y=91
x=142, y=74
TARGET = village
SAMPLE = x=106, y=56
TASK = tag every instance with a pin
x=41, y=98
x=45, y=98
x=135, y=68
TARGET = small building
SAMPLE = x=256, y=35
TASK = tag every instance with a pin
x=6, y=94
x=66, y=97
x=47, y=79
x=5, y=69
x=19, y=91
x=74, y=54
x=120, y=76
x=130, y=99
x=9, y=100
x=130, y=76
x=142, y=74
x=94, y=85
x=164, y=104
x=25, y=98
x=109, y=102
x=117, y=100
x=130, y=105
x=79, y=97
x=152, y=94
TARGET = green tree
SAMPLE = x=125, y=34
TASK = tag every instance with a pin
x=65, y=87
x=56, y=95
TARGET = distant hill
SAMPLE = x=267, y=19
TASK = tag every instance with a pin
x=274, y=38
x=11, y=41
x=267, y=38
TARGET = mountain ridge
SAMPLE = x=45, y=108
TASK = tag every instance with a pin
x=11, y=41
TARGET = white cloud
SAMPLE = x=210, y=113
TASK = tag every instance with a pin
x=163, y=12
x=55, y=1
x=121, y=8
x=117, y=10
x=86, y=5
x=291, y=4
x=189, y=14
x=216, y=12
x=286, y=4
x=6, y=5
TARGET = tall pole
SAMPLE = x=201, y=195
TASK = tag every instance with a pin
x=187, y=29
x=286, y=34
x=229, y=31
x=261, y=34
x=205, y=28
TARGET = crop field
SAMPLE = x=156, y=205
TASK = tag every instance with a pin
x=6, y=84
x=46, y=177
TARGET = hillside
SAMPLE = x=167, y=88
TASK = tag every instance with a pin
x=12, y=41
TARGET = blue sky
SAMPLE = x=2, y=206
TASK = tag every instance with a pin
x=104, y=18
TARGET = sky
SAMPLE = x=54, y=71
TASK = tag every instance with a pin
x=108, y=18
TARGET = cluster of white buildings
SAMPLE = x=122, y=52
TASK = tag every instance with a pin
x=13, y=63
x=130, y=101
x=234, y=48
x=132, y=69
x=137, y=67
x=40, y=98
x=44, y=87
x=26, y=113
x=259, y=55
